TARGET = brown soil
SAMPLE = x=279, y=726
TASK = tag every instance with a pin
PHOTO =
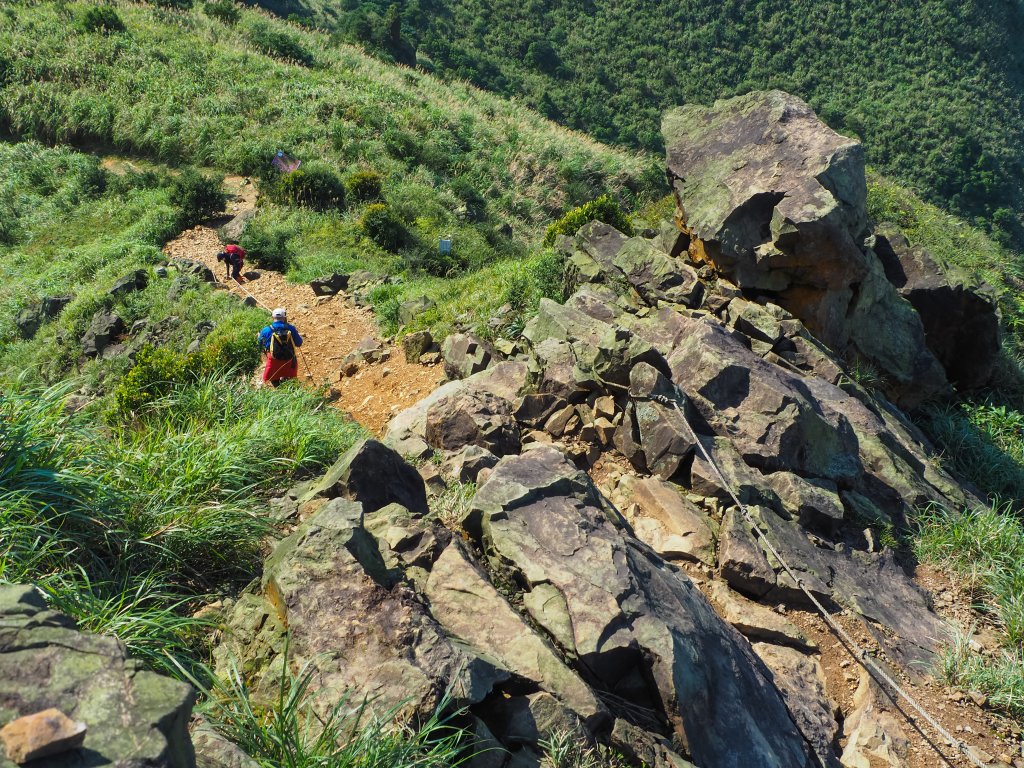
x=331, y=327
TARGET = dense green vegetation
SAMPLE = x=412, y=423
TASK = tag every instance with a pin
x=138, y=508
x=184, y=87
x=935, y=88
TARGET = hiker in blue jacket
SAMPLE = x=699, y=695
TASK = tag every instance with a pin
x=279, y=341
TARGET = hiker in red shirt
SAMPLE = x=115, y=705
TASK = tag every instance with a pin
x=233, y=257
x=279, y=340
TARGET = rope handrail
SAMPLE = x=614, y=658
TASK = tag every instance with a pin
x=861, y=655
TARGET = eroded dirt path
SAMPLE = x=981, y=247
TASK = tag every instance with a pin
x=330, y=328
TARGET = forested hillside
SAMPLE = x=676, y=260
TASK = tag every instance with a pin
x=935, y=89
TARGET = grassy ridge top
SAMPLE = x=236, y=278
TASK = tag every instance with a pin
x=178, y=86
x=934, y=88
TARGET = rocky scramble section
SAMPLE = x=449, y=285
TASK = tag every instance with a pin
x=635, y=605
x=597, y=578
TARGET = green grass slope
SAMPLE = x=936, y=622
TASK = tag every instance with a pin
x=180, y=86
x=935, y=88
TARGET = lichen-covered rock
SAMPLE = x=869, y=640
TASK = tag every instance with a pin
x=350, y=617
x=775, y=200
x=633, y=264
x=464, y=355
x=469, y=607
x=134, y=718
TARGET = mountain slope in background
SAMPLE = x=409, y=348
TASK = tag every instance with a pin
x=935, y=89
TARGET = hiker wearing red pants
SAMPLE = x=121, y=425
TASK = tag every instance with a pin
x=233, y=257
x=279, y=341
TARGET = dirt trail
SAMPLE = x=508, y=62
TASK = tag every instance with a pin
x=330, y=328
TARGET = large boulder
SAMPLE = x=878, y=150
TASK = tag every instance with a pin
x=472, y=418
x=406, y=432
x=774, y=200
x=233, y=231
x=374, y=475
x=639, y=628
x=329, y=285
x=104, y=329
x=133, y=717
x=353, y=620
x=960, y=319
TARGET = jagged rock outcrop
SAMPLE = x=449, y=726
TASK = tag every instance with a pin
x=774, y=200
x=134, y=718
x=102, y=334
x=684, y=368
x=636, y=626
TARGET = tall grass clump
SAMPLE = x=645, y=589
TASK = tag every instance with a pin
x=981, y=443
x=985, y=548
x=131, y=526
x=289, y=731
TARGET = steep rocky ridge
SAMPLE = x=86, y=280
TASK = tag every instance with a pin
x=637, y=610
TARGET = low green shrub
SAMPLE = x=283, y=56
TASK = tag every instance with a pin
x=102, y=19
x=314, y=186
x=156, y=372
x=476, y=204
x=277, y=43
x=382, y=225
x=267, y=245
x=223, y=10
x=364, y=186
x=197, y=197
x=549, y=276
x=603, y=209
x=427, y=257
